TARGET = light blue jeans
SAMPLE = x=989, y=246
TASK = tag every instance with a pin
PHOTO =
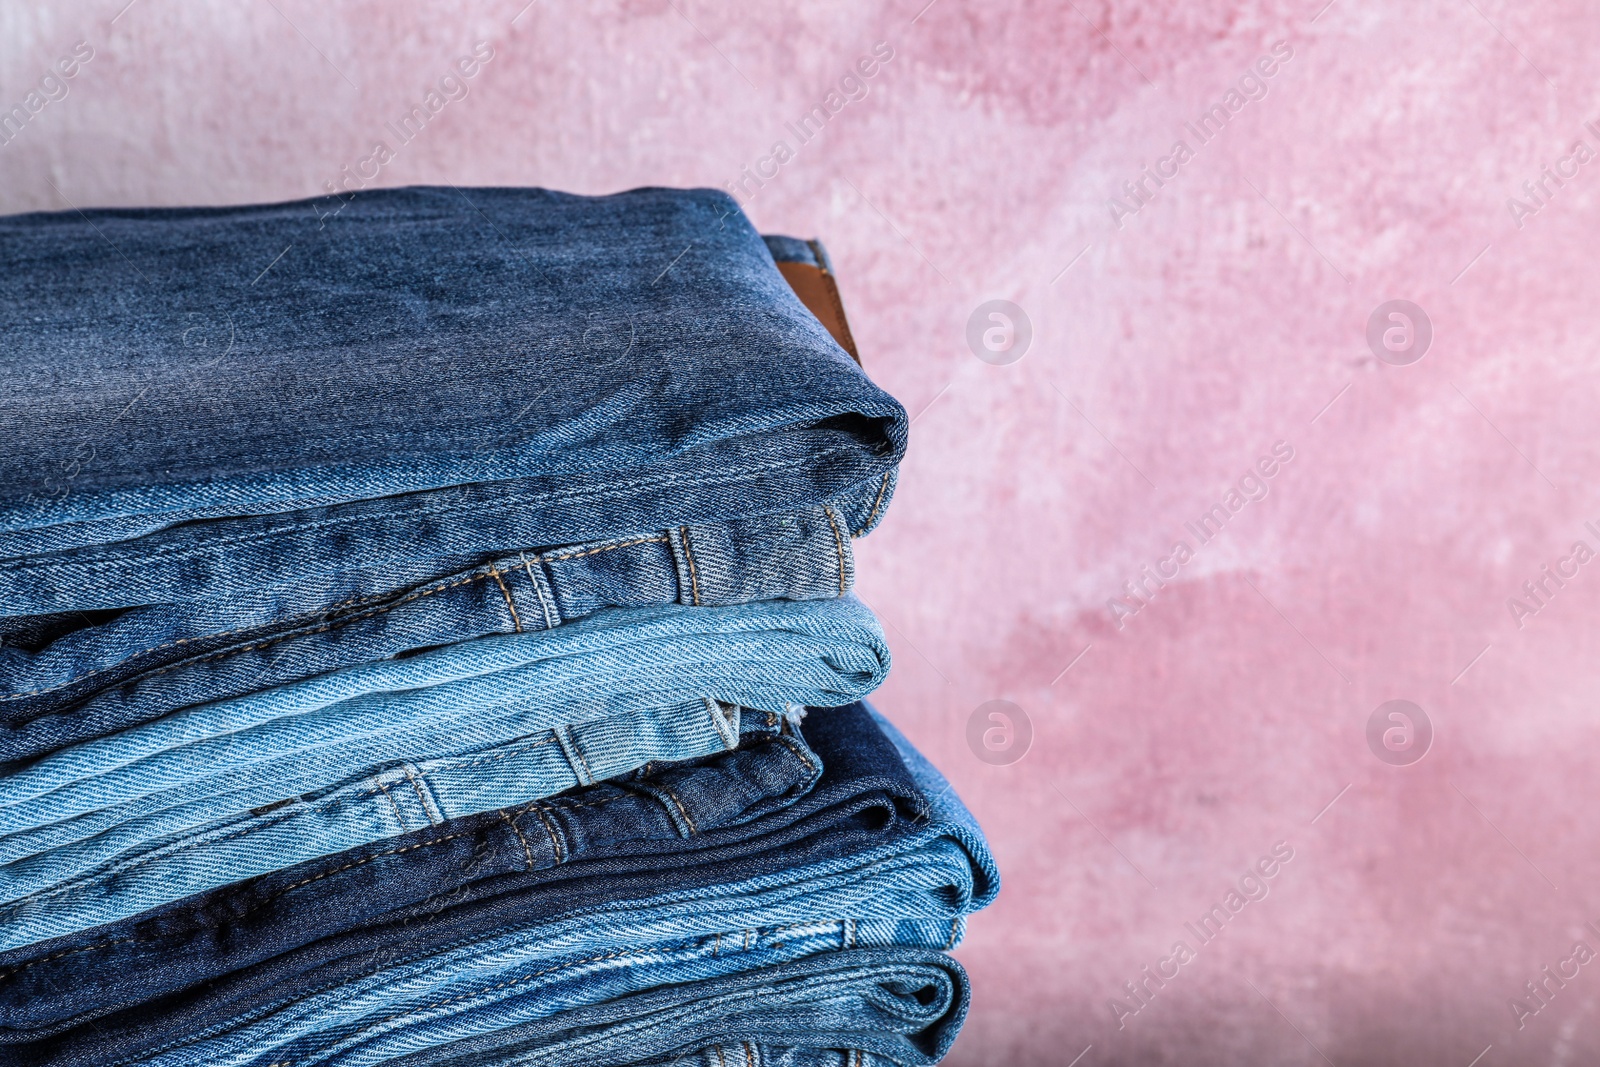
x=105, y=829
x=919, y=888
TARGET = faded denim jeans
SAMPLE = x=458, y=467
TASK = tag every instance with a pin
x=206, y=458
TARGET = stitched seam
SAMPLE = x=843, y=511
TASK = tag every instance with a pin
x=552, y=616
x=252, y=909
x=171, y=851
x=509, y=983
x=526, y=851
x=873, y=514
x=501, y=582
x=838, y=544
x=357, y=617
x=427, y=809
x=749, y=1058
x=688, y=554
x=721, y=1059
x=681, y=809
x=225, y=653
x=723, y=479
x=398, y=817
x=577, y=750
x=558, y=556
x=555, y=842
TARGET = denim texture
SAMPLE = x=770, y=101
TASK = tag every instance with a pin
x=94, y=680
x=867, y=1007
x=830, y=977
x=602, y=342
x=137, y=866
x=693, y=851
x=617, y=670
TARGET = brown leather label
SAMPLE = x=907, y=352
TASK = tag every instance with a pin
x=818, y=291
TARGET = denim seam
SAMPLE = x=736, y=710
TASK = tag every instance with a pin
x=564, y=803
x=225, y=653
x=552, y=618
x=526, y=851
x=873, y=514
x=401, y=819
x=559, y=557
x=749, y=1060
x=574, y=754
x=681, y=809
x=501, y=582
x=721, y=1059
x=14, y=971
x=950, y=944
x=555, y=842
x=477, y=993
x=177, y=848
x=723, y=478
x=320, y=629
x=688, y=554
x=719, y=722
x=838, y=544
x=430, y=810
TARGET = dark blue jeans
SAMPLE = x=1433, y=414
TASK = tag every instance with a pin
x=210, y=476
x=121, y=989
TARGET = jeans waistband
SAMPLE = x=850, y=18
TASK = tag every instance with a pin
x=112, y=876
x=655, y=819
x=150, y=661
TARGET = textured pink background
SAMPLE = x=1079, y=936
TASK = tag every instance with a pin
x=1221, y=318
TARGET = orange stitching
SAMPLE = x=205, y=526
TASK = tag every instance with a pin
x=555, y=843
x=688, y=554
x=838, y=543
x=681, y=810
x=873, y=514
x=526, y=851
x=604, y=548
x=515, y=621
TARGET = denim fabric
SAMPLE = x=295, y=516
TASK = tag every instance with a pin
x=694, y=851
x=95, y=680
x=663, y=662
x=868, y=1007
x=573, y=1011
x=176, y=852
x=568, y=367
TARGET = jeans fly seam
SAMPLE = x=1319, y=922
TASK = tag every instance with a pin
x=688, y=554
x=501, y=582
x=838, y=544
x=873, y=514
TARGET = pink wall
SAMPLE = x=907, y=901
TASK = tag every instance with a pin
x=1225, y=315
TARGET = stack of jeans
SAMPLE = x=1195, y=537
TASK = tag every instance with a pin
x=426, y=637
